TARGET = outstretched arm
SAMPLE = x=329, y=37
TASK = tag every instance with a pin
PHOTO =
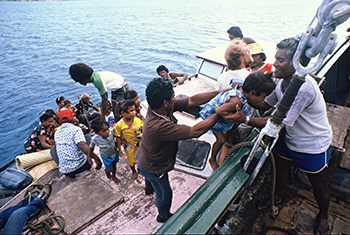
x=203, y=126
x=95, y=108
x=203, y=98
x=175, y=75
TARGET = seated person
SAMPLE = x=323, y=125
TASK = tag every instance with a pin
x=131, y=94
x=60, y=102
x=255, y=88
x=55, y=125
x=68, y=105
x=71, y=147
x=83, y=106
x=39, y=139
x=173, y=77
x=236, y=32
x=259, y=57
x=14, y=218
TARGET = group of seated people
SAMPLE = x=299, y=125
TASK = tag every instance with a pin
x=84, y=123
x=42, y=136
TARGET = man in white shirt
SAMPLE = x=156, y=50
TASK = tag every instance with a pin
x=103, y=81
x=308, y=134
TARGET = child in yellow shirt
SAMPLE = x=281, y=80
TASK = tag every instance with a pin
x=129, y=129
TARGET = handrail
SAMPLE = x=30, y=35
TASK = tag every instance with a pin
x=204, y=208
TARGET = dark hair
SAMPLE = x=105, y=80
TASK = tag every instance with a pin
x=45, y=117
x=57, y=120
x=291, y=45
x=158, y=90
x=259, y=82
x=262, y=56
x=161, y=68
x=125, y=104
x=80, y=72
x=130, y=94
x=59, y=99
x=235, y=31
x=66, y=102
x=50, y=111
x=97, y=124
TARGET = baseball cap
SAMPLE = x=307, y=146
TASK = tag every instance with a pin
x=66, y=115
x=255, y=48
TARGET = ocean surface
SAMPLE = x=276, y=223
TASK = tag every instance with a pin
x=40, y=40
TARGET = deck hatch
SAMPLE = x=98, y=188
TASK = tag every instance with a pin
x=192, y=153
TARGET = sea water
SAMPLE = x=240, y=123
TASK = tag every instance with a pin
x=39, y=41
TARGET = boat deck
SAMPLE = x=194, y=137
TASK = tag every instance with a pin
x=93, y=204
x=298, y=213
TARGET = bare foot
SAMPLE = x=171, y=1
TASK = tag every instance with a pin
x=214, y=165
x=134, y=176
x=116, y=179
x=108, y=176
x=98, y=165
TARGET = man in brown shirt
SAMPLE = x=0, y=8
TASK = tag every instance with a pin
x=161, y=133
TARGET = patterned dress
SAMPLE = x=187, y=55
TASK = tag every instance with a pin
x=32, y=143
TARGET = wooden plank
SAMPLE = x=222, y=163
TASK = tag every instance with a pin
x=80, y=200
x=339, y=119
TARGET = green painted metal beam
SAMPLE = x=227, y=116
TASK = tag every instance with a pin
x=204, y=208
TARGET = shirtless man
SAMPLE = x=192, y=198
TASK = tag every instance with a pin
x=173, y=77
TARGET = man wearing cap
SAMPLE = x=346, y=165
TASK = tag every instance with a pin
x=71, y=146
x=237, y=57
x=259, y=57
x=236, y=32
x=103, y=81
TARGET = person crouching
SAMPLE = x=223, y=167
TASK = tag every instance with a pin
x=71, y=146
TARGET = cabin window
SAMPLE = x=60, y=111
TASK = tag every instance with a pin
x=192, y=153
x=211, y=69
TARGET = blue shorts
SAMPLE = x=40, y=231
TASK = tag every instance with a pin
x=310, y=163
x=108, y=162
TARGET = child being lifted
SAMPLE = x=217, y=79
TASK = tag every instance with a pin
x=129, y=129
x=253, y=91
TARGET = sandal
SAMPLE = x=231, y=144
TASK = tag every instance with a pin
x=317, y=230
x=266, y=203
